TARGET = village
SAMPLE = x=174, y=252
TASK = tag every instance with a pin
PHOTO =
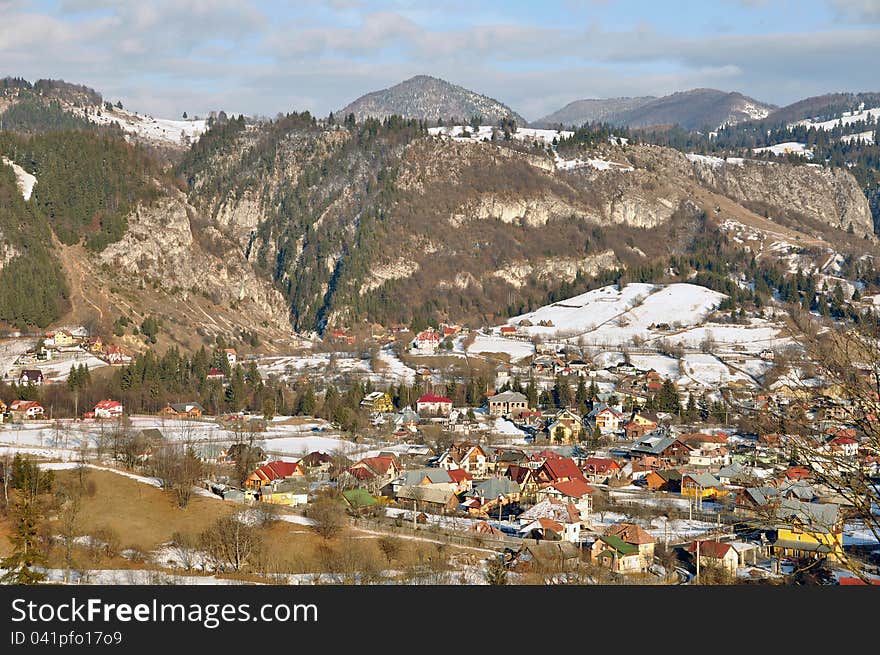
x=569, y=462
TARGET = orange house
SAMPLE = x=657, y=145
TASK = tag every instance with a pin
x=273, y=471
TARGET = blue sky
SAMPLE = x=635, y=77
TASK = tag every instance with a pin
x=170, y=56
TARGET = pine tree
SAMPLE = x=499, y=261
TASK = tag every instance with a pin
x=26, y=557
x=496, y=573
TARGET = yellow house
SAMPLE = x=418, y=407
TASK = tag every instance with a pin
x=702, y=485
x=377, y=401
x=279, y=497
x=64, y=339
x=810, y=530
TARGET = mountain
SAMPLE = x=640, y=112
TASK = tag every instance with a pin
x=694, y=109
x=430, y=98
x=262, y=230
x=591, y=111
x=824, y=107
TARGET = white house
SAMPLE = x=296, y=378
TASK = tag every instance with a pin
x=426, y=343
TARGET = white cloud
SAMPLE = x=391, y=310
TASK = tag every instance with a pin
x=863, y=10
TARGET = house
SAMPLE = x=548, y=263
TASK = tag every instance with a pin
x=182, y=410
x=214, y=374
x=2, y=409
x=490, y=496
x=436, y=499
x=601, y=470
x=576, y=492
x=62, y=339
x=377, y=401
x=551, y=519
x=660, y=450
x=272, y=471
x=555, y=468
x=431, y=405
x=25, y=409
x=633, y=430
x=545, y=557
x=31, y=376
x=317, y=462
x=231, y=356
x=108, y=409
x=465, y=455
x=426, y=342
x=372, y=473
x=507, y=331
x=358, y=500
x=809, y=530
x=287, y=491
x=634, y=535
x=508, y=402
x=716, y=553
x=606, y=418
x=616, y=554
x=341, y=336
x=701, y=485
x=566, y=427
x=664, y=480
x=116, y=357
x=95, y=345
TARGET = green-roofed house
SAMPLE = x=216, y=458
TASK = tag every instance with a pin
x=612, y=551
x=358, y=499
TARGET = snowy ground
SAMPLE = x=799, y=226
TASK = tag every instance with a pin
x=847, y=118
x=25, y=180
x=787, y=148
x=485, y=132
x=62, y=440
x=179, y=132
x=608, y=315
x=516, y=348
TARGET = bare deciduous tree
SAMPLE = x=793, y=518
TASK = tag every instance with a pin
x=231, y=543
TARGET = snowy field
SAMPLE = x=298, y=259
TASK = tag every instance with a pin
x=25, y=180
x=62, y=441
x=147, y=127
x=787, y=148
x=328, y=364
x=485, y=132
x=847, y=118
x=517, y=349
x=608, y=315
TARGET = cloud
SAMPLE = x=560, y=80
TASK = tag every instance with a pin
x=862, y=10
x=241, y=55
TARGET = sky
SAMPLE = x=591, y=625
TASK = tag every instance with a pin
x=260, y=57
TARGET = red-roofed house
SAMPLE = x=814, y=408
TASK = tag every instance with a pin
x=431, y=405
x=272, y=471
x=558, y=469
x=796, y=473
x=570, y=491
x=371, y=473
x=426, y=342
x=25, y=409
x=462, y=479
x=846, y=445
x=507, y=330
x=108, y=409
x=716, y=553
x=116, y=357
x=601, y=470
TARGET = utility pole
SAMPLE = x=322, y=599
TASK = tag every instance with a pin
x=697, y=578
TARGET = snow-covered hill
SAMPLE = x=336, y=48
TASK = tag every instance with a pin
x=176, y=132
x=609, y=313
